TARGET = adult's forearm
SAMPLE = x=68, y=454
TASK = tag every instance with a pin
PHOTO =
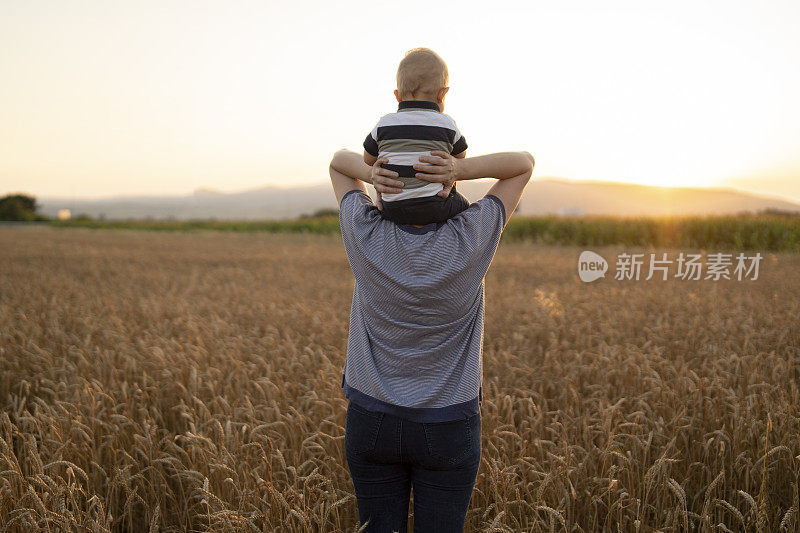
x=351, y=164
x=500, y=165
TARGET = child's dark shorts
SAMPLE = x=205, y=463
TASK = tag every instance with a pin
x=425, y=210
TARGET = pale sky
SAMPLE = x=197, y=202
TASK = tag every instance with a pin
x=116, y=98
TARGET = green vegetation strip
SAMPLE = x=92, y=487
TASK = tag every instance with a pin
x=774, y=232
x=322, y=225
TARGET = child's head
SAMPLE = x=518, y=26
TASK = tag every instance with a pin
x=422, y=75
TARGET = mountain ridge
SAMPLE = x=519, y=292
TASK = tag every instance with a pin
x=544, y=196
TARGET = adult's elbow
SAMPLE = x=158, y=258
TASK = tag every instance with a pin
x=529, y=164
x=530, y=158
x=337, y=155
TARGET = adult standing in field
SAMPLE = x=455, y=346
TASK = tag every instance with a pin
x=413, y=371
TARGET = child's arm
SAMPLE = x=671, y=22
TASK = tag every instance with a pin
x=459, y=151
x=369, y=158
x=371, y=146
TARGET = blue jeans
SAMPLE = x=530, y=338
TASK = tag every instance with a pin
x=388, y=455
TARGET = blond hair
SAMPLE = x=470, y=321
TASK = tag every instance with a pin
x=421, y=73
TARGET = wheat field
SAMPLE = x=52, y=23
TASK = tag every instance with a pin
x=191, y=382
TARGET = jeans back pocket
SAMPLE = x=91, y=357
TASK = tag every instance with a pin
x=455, y=440
x=361, y=429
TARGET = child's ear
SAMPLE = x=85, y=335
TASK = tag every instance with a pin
x=397, y=95
x=442, y=92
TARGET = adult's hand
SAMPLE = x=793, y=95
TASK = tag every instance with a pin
x=439, y=167
x=383, y=179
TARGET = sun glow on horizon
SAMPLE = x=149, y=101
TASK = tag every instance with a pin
x=105, y=99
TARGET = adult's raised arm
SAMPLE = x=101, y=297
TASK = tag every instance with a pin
x=348, y=170
x=513, y=170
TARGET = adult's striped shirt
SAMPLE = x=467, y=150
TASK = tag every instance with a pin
x=415, y=342
x=417, y=128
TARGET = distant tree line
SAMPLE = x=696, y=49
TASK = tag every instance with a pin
x=20, y=207
x=325, y=212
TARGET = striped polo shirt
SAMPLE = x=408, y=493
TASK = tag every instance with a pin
x=415, y=340
x=417, y=128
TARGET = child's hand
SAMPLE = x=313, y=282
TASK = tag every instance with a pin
x=378, y=202
x=445, y=192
